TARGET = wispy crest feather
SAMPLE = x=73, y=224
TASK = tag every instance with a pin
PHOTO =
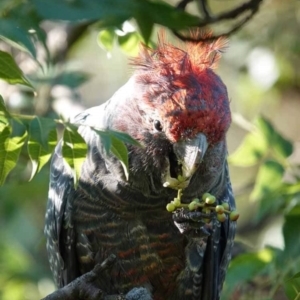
x=187, y=57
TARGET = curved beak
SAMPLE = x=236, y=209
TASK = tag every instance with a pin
x=190, y=154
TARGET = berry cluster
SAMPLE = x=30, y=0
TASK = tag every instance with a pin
x=207, y=205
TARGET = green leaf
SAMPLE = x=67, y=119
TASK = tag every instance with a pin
x=297, y=275
x=251, y=151
x=291, y=289
x=10, y=148
x=120, y=151
x=291, y=283
x=130, y=43
x=11, y=31
x=145, y=24
x=162, y=13
x=10, y=72
x=115, y=12
x=291, y=188
x=72, y=79
x=38, y=155
x=268, y=180
x=21, y=32
x=259, y=143
x=4, y=114
x=270, y=204
x=291, y=229
x=277, y=142
x=106, y=39
x=114, y=141
x=245, y=267
x=79, y=10
x=282, y=146
x=41, y=142
x=3, y=107
x=74, y=150
x=126, y=138
x=39, y=129
x=104, y=138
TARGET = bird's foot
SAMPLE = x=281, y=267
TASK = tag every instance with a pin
x=193, y=222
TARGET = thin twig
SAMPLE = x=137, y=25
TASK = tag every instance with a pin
x=205, y=9
x=251, y=7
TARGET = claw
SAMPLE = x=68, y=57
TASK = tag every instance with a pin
x=194, y=222
x=183, y=215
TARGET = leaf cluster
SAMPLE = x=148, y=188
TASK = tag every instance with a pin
x=23, y=33
x=40, y=136
x=271, y=270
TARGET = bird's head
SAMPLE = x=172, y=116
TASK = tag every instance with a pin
x=180, y=105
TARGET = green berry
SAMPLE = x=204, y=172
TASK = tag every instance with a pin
x=193, y=205
x=170, y=207
x=180, y=178
x=220, y=209
x=225, y=205
x=197, y=200
x=234, y=215
x=210, y=200
x=205, y=195
x=221, y=217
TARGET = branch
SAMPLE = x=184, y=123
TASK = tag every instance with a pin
x=86, y=287
x=250, y=8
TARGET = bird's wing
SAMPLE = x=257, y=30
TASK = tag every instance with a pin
x=219, y=246
x=59, y=229
x=228, y=229
x=58, y=224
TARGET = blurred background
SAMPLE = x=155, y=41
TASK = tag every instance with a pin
x=79, y=65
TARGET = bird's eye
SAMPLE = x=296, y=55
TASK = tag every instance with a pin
x=157, y=125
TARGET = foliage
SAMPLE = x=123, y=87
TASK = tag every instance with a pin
x=40, y=135
x=30, y=134
x=269, y=150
